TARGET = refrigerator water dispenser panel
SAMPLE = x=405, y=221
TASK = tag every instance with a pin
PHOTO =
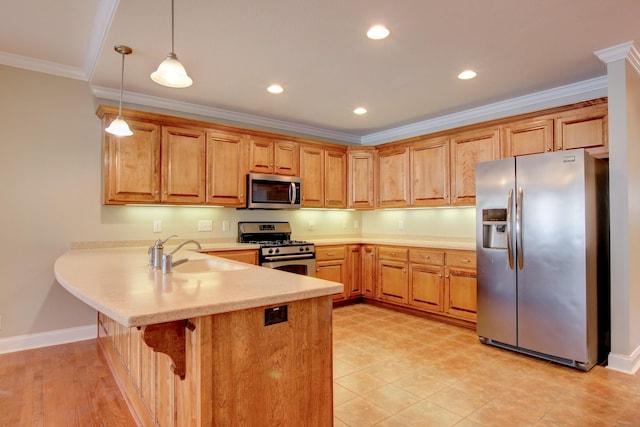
x=494, y=228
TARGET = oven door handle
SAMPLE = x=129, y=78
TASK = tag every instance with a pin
x=289, y=257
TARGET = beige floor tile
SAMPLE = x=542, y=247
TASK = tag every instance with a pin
x=360, y=382
x=422, y=414
x=360, y=412
x=391, y=398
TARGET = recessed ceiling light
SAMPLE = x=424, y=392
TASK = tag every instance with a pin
x=360, y=111
x=378, y=32
x=275, y=88
x=467, y=74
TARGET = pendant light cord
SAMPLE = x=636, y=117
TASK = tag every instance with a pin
x=172, y=13
x=121, y=85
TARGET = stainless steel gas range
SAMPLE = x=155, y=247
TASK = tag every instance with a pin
x=277, y=250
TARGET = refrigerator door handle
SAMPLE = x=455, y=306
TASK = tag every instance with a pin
x=519, y=251
x=509, y=230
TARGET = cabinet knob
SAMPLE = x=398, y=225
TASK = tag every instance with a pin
x=548, y=149
x=393, y=254
x=317, y=270
x=465, y=260
x=330, y=253
x=439, y=274
x=446, y=276
x=404, y=270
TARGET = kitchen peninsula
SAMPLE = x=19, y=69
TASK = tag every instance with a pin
x=215, y=342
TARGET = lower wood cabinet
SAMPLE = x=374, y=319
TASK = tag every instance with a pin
x=250, y=256
x=393, y=277
x=331, y=264
x=438, y=281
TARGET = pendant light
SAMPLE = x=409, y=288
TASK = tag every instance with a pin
x=119, y=127
x=171, y=72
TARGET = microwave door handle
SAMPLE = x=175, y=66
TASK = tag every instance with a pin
x=292, y=193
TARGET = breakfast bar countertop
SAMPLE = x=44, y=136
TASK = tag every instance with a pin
x=119, y=283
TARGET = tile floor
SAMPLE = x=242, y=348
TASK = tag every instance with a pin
x=392, y=369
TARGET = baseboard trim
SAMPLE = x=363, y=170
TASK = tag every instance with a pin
x=629, y=364
x=45, y=339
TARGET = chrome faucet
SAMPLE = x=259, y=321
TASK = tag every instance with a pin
x=167, y=259
x=184, y=243
x=155, y=252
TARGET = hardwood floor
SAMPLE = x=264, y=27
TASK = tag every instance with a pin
x=390, y=369
x=64, y=385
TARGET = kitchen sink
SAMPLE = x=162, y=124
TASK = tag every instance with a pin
x=207, y=266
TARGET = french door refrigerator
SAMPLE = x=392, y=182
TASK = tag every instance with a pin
x=543, y=256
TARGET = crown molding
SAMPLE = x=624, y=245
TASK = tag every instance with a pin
x=99, y=30
x=217, y=113
x=41, y=66
x=626, y=50
x=575, y=92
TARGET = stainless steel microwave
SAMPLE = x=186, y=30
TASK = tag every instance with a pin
x=273, y=191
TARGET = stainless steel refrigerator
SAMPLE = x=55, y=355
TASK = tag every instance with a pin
x=543, y=256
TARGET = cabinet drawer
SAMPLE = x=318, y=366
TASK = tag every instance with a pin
x=425, y=256
x=326, y=253
x=461, y=259
x=393, y=252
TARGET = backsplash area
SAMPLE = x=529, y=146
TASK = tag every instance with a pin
x=137, y=222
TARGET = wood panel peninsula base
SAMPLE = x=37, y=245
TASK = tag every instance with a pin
x=237, y=371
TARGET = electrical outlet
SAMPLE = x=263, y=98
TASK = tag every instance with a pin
x=401, y=224
x=157, y=226
x=225, y=225
x=356, y=224
x=311, y=226
x=205, y=225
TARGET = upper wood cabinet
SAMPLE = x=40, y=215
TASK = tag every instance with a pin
x=226, y=168
x=323, y=172
x=430, y=172
x=132, y=164
x=528, y=137
x=274, y=156
x=467, y=149
x=360, y=191
x=392, y=177
x=183, y=165
x=583, y=128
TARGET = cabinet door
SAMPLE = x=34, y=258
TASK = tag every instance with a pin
x=393, y=281
x=369, y=270
x=461, y=293
x=360, y=188
x=311, y=175
x=286, y=158
x=427, y=287
x=393, y=177
x=430, y=173
x=335, y=179
x=584, y=128
x=261, y=155
x=226, y=169
x=467, y=149
x=132, y=164
x=335, y=271
x=354, y=262
x=528, y=137
x=183, y=165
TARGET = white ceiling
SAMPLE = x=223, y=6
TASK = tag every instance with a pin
x=317, y=49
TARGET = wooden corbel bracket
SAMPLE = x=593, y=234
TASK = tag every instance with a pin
x=169, y=338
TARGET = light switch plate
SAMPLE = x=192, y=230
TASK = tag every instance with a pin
x=157, y=226
x=225, y=225
x=205, y=225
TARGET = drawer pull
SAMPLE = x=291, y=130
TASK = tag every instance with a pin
x=393, y=254
x=330, y=254
x=465, y=260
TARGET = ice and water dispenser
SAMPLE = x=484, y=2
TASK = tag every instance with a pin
x=494, y=228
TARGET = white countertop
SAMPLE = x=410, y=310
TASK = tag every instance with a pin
x=119, y=283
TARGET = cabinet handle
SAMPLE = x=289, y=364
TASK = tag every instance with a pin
x=330, y=253
x=393, y=254
x=465, y=260
x=427, y=257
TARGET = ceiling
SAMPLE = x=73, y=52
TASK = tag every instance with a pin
x=317, y=50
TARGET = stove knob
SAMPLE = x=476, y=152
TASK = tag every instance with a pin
x=277, y=250
x=270, y=251
x=302, y=249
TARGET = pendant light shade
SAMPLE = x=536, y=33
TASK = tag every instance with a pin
x=171, y=72
x=118, y=126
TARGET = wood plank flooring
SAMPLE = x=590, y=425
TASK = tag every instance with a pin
x=64, y=385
